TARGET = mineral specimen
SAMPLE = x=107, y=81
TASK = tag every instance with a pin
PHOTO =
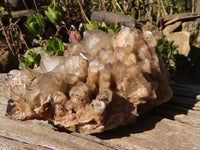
x=100, y=83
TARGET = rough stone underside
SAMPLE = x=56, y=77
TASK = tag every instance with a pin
x=101, y=83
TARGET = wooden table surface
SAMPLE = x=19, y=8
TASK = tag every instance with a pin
x=171, y=126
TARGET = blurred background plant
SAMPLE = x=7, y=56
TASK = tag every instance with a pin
x=172, y=59
x=167, y=7
x=112, y=29
x=55, y=47
x=55, y=14
x=32, y=60
x=34, y=25
x=168, y=52
x=66, y=20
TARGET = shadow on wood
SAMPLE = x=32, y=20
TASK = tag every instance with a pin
x=173, y=125
x=183, y=100
x=143, y=123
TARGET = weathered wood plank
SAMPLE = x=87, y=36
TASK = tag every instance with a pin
x=184, y=93
x=10, y=144
x=186, y=90
x=40, y=133
x=20, y=13
x=110, y=18
x=192, y=118
x=191, y=91
x=185, y=86
x=179, y=114
x=169, y=126
x=148, y=133
x=176, y=17
x=152, y=132
x=186, y=102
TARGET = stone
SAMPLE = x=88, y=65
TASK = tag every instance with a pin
x=169, y=19
x=193, y=28
x=148, y=26
x=182, y=39
x=152, y=28
x=99, y=84
x=198, y=6
x=170, y=28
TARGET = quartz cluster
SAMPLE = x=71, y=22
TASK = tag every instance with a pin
x=99, y=84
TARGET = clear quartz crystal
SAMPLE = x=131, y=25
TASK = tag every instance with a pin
x=97, y=85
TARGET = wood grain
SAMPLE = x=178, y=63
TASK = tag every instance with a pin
x=177, y=17
x=21, y=13
x=110, y=18
x=173, y=125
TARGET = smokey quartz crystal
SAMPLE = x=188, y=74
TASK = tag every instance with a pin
x=99, y=84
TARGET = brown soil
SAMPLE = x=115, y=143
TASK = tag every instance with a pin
x=7, y=60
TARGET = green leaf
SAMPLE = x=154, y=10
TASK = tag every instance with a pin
x=89, y=27
x=16, y=35
x=104, y=25
x=34, y=28
x=159, y=42
x=169, y=53
x=134, y=13
x=111, y=31
x=166, y=40
x=161, y=48
x=1, y=8
x=56, y=46
x=34, y=25
x=175, y=52
x=175, y=46
x=55, y=14
x=171, y=43
x=32, y=60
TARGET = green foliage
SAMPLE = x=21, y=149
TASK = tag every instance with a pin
x=139, y=4
x=134, y=12
x=32, y=60
x=112, y=29
x=169, y=6
x=56, y=14
x=55, y=47
x=1, y=8
x=16, y=35
x=96, y=25
x=108, y=5
x=168, y=52
x=34, y=25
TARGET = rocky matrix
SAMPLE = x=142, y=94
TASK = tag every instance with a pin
x=101, y=83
